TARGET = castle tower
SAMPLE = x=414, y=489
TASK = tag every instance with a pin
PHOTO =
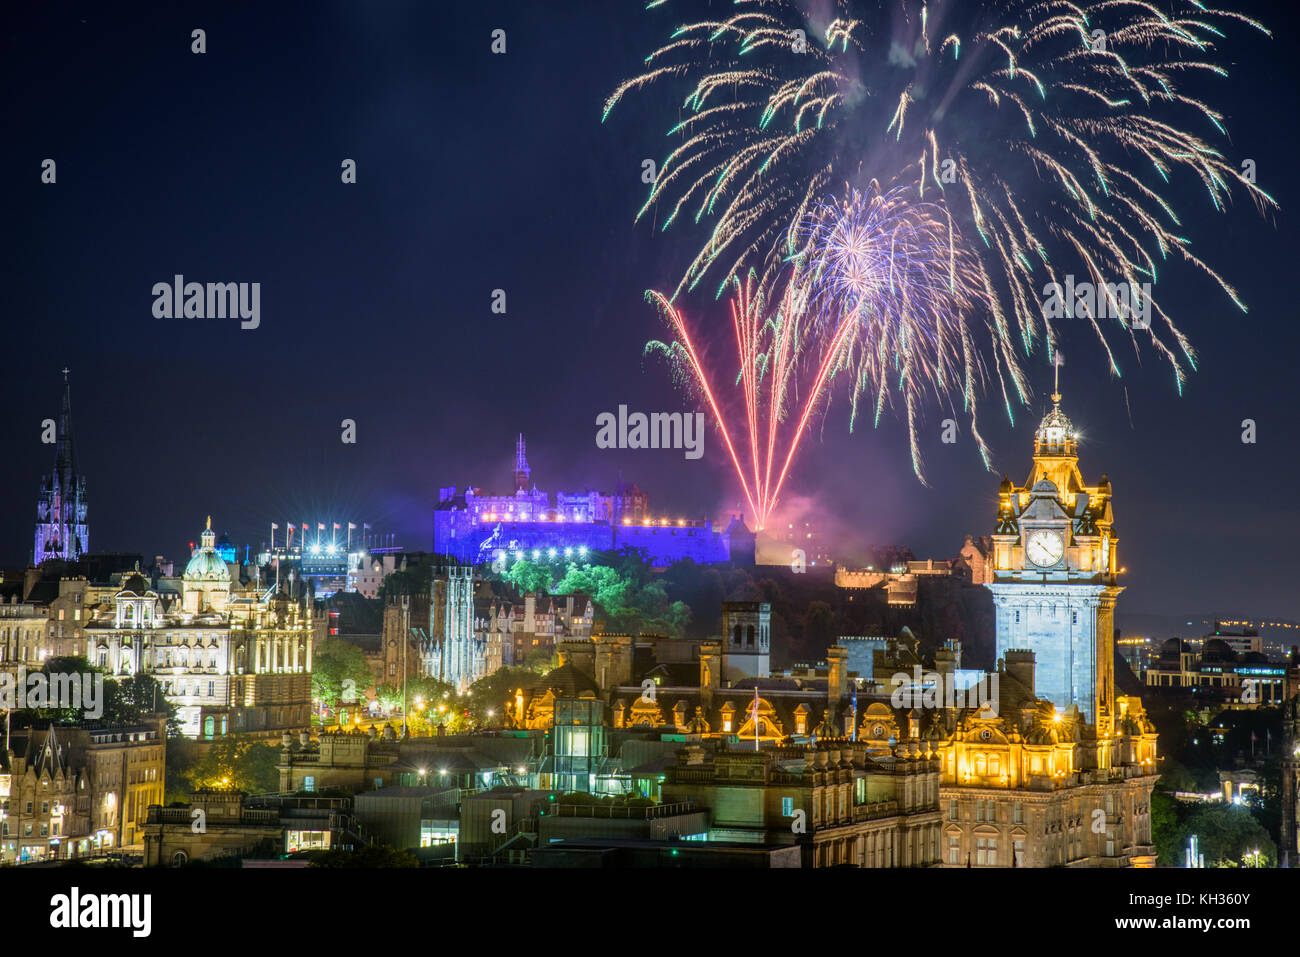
x=523, y=474
x=61, y=529
x=746, y=640
x=1054, y=575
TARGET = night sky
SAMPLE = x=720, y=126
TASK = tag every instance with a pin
x=478, y=172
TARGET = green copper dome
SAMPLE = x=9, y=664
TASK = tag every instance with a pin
x=206, y=564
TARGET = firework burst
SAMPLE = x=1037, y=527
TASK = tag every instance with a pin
x=1053, y=133
x=880, y=298
x=890, y=279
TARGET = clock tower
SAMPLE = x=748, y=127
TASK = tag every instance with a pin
x=1055, y=575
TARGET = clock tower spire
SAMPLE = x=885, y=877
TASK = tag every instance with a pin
x=1055, y=574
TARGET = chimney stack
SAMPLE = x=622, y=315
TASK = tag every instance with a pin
x=837, y=676
x=1019, y=664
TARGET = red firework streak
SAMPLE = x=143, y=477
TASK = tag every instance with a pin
x=781, y=355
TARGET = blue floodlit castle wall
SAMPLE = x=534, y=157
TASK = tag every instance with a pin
x=474, y=527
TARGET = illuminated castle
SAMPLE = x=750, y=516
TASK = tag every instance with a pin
x=61, y=530
x=473, y=527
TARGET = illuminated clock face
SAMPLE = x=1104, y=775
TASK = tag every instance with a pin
x=1044, y=548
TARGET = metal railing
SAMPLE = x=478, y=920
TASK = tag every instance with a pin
x=648, y=813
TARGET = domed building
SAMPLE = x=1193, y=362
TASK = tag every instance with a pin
x=206, y=582
x=231, y=655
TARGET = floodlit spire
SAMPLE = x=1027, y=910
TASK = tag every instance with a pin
x=61, y=509
x=522, y=471
x=65, y=462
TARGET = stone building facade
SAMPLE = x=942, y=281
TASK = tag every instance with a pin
x=75, y=791
x=231, y=656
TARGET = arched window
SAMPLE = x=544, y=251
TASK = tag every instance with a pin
x=207, y=726
x=980, y=764
x=735, y=636
x=749, y=637
x=995, y=765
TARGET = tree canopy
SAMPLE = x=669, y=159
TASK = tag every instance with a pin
x=335, y=664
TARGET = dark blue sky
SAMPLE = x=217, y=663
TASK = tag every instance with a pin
x=479, y=172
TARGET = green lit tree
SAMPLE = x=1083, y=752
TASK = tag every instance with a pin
x=237, y=761
x=334, y=665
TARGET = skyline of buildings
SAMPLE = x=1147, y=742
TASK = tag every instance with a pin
x=1055, y=768
x=531, y=517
